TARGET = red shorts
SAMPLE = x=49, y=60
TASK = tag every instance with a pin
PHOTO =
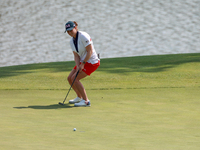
x=89, y=68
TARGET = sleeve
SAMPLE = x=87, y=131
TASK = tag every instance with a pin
x=86, y=39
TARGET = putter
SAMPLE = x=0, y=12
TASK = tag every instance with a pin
x=69, y=89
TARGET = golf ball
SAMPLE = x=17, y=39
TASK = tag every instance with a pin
x=74, y=129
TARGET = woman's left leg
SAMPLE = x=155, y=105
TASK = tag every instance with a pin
x=79, y=86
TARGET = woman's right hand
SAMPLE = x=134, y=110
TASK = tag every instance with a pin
x=77, y=68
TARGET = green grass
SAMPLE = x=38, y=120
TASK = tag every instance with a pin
x=141, y=103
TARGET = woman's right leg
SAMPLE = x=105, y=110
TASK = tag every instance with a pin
x=70, y=80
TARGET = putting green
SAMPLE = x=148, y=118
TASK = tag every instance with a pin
x=149, y=102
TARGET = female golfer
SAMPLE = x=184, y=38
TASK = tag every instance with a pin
x=86, y=61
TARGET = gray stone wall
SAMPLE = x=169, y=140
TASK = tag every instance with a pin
x=32, y=31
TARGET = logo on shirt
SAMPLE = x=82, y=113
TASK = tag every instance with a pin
x=88, y=40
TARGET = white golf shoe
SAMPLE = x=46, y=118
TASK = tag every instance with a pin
x=76, y=100
x=83, y=103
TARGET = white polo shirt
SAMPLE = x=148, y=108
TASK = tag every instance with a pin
x=83, y=41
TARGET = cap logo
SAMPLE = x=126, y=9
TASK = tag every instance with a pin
x=67, y=26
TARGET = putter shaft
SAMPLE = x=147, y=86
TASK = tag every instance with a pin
x=69, y=89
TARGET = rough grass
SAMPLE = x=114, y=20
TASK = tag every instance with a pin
x=144, y=103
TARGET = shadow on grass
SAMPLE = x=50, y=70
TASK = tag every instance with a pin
x=156, y=63
x=151, y=64
x=31, y=68
x=54, y=106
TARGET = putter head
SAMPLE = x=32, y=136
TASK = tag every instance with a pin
x=60, y=103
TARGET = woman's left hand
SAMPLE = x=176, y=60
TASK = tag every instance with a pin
x=81, y=67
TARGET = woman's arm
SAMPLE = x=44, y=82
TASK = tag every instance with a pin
x=89, y=54
x=76, y=59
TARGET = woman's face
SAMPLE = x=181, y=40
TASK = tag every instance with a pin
x=72, y=33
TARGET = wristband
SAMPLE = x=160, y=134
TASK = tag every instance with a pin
x=83, y=62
